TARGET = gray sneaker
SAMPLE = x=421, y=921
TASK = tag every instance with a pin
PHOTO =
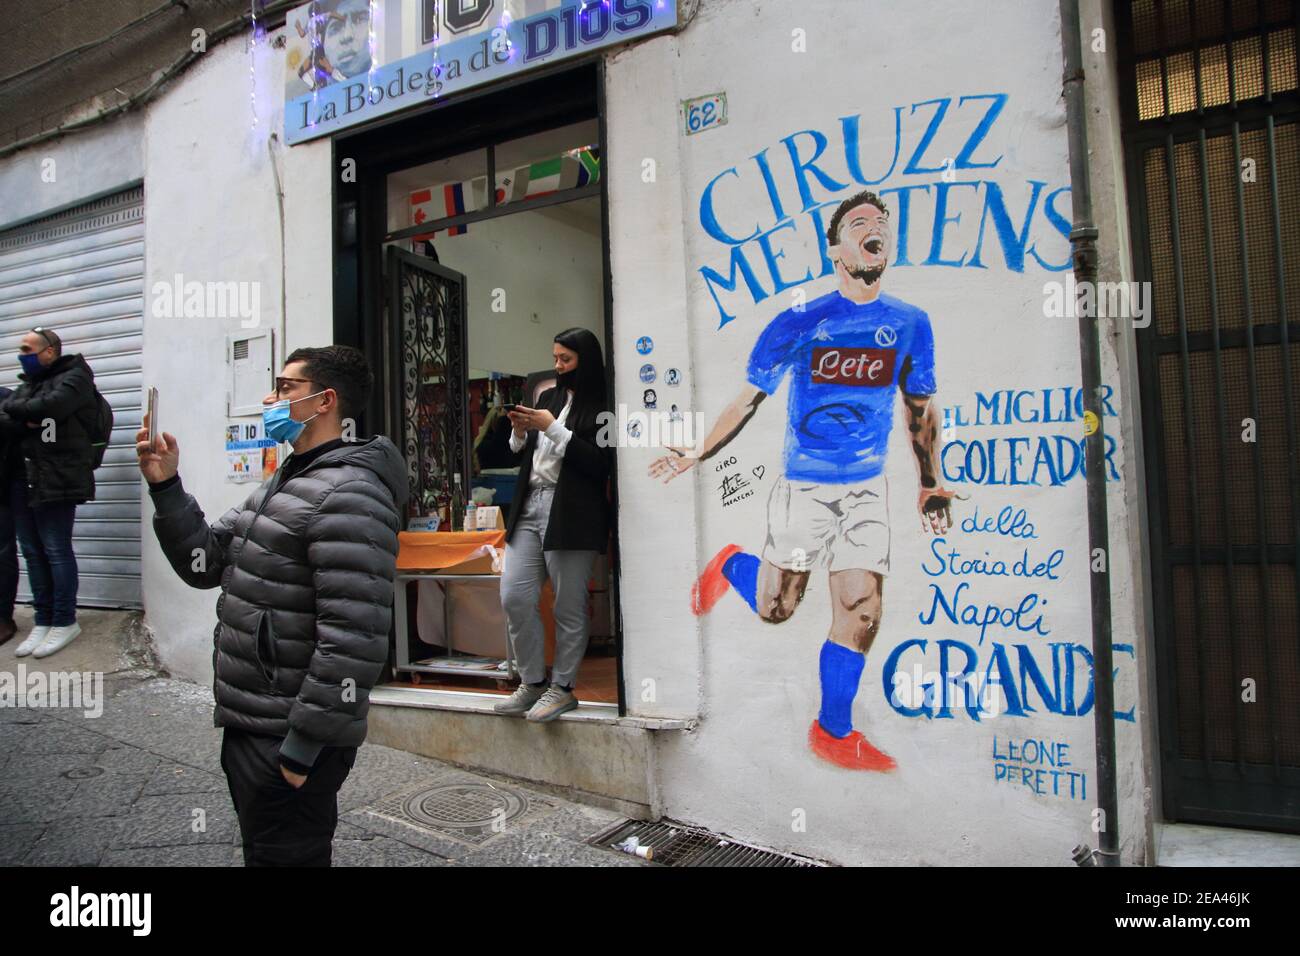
x=520, y=701
x=554, y=702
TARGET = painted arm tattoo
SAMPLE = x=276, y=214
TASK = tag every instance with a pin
x=733, y=418
x=923, y=426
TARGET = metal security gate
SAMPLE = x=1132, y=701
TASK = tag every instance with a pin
x=430, y=346
x=1213, y=155
x=81, y=273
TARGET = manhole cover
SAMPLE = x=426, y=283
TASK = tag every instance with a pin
x=83, y=773
x=470, y=812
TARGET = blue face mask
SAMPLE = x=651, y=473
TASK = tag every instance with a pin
x=279, y=424
x=31, y=362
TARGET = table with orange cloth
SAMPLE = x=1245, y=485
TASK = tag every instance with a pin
x=442, y=551
x=439, y=550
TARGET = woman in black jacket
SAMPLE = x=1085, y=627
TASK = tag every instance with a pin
x=559, y=523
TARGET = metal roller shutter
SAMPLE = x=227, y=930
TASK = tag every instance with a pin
x=81, y=273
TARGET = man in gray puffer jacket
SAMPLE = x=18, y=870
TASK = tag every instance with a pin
x=306, y=569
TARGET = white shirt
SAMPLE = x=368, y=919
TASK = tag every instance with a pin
x=550, y=449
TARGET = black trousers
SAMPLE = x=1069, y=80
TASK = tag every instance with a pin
x=283, y=825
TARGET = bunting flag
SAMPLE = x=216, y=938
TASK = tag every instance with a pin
x=453, y=195
x=422, y=211
x=588, y=165
x=550, y=175
x=439, y=203
x=511, y=185
x=570, y=170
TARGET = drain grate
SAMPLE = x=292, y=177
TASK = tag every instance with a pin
x=676, y=844
x=470, y=812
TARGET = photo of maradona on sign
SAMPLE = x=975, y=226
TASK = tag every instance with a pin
x=329, y=41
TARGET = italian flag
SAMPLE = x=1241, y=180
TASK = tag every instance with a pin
x=577, y=167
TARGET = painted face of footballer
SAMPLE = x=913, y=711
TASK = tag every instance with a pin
x=864, y=243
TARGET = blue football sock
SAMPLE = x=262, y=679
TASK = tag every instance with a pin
x=741, y=570
x=841, y=670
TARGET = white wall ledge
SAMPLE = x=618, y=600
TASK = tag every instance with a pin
x=480, y=703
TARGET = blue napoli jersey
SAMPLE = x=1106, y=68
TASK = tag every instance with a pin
x=847, y=361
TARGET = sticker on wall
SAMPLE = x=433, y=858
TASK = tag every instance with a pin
x=647, y=373
x=644, y=345
x=650, y=399
x=250, y=455
x=634, y=429
x=1089, y=422
x=672, y=377
x=703, y=113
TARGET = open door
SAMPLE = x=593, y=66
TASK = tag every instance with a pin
x=426, y=309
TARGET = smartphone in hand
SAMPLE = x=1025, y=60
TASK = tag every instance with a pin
x=153, y=416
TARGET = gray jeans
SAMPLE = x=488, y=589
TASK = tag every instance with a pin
x=527, y=568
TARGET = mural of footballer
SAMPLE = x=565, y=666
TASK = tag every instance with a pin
x=848, y=353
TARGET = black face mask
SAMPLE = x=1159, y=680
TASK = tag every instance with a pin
x=567, y=379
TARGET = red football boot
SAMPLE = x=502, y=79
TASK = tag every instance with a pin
x=712, y=584
x=853, y=752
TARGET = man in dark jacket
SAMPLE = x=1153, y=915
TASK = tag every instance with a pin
x=11, y=464
x=306, y=568
x=51, y=415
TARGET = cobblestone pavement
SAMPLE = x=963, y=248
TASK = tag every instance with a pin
x=141, y=784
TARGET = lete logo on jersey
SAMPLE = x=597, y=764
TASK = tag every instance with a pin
x=852, y=366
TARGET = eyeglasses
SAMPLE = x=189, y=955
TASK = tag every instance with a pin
x=45, y=335
x=285, y=385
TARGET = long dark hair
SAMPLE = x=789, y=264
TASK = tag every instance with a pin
x=587, y=381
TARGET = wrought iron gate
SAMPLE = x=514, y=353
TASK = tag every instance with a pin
x=1213, y=155
x=426, y=311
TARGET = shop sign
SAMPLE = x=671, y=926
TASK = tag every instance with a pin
x=352, y=61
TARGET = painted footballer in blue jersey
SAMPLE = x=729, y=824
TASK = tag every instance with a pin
x=849, y=356
x=847, y=361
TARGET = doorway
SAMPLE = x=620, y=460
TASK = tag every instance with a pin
x=1213, y=159
x=459, y=288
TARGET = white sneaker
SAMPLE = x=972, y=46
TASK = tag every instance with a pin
x=33, y=640
x=58, y=639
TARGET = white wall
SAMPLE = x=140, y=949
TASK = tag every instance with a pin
x=748, y=769
x=211, y=216
x=548, y=266
x=71, y=169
